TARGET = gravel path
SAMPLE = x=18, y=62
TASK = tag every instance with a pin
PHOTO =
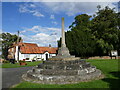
x=12, y=76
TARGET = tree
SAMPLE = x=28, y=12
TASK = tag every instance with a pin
x=82, y=22
x=96, y=36
x=59, y=43
x=119, y=44
x=7, y=42
x=79, y=40
x=0, y=45
x=105, y=31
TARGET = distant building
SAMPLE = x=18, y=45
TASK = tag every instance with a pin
x=31, y=51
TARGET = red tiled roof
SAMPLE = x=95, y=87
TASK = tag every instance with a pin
x=29, y=44
x=26, y=44
x=48, y=49
x=33, y=49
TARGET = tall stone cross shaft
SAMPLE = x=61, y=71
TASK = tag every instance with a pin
x=63, y=34
x=63, y=50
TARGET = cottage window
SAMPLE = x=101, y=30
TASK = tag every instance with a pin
x=26, y=56
x=38, y=55
x=50, y=55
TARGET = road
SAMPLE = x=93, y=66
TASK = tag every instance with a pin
x=12, y=76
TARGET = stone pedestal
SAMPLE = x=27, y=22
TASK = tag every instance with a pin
x=63, y=72
x=63, y=51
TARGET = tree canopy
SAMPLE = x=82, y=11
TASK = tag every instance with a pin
x=7, y=41
x=97, y=35
x=105, y=30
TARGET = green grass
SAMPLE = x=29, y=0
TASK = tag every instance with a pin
x=8, y=65
x=108, y=67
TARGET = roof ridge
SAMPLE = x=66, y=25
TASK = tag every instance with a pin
x=30, y=43
x=28, y=49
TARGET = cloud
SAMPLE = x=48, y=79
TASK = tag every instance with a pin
x=54, y=22
x=60, y=1
x=32, y=5
x=69, y=8
x=30, y=8
x=36, y=29
x=73, y=8
x=52, y=17
x=44, y=39
x=38, y=14
x=53, y=29
x=41, y=39
x=43, y=36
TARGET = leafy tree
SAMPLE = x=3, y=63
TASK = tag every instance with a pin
x=119, y=44
x=7, y=42
x=59, y=43
x=96, y=36
x=0, y=45
x=79, y=39
x=105, y=31
x=82, y=22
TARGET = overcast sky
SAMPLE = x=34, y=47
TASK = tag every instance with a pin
x=40, y=22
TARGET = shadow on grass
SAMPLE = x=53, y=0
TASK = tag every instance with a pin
x=113, y=83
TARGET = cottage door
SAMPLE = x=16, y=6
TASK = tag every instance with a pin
x=46, y=56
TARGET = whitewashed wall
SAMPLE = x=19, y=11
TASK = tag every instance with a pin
x=16, y=53
x=53, y=54
x=31, y=56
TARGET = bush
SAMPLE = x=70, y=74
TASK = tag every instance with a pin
x=33, y=60
x=21, y=61
x=5, y=61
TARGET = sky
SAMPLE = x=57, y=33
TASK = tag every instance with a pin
x=40, y=22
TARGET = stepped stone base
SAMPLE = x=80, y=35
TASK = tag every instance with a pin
x=64, y=71
x=64, y=58
x=45, y=79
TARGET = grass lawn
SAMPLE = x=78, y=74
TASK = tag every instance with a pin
x=108, y=67
x=9, y=65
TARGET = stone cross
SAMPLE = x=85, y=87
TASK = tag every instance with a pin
x=63, y=34
x=63, y=51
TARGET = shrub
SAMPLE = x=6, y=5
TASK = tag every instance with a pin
x=33, y=60
x=21, y=61
x=5, y=61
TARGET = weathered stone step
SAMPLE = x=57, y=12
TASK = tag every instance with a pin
x=64, y=66
x=64, y=62
x=59, y=72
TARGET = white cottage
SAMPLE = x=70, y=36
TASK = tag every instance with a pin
x=30, y=51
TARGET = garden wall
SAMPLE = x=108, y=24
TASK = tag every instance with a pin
x=103, y=57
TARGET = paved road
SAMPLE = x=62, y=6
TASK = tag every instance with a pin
x=12, y=76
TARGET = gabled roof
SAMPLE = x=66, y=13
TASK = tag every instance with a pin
x=28, y=44
x=48, y=49
x=34, y=49
x=25, y=44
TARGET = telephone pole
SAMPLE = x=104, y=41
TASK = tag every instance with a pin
x=18, y=47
